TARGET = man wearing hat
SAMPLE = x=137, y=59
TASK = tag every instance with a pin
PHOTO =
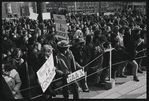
x=82, y=56
x=66, y=65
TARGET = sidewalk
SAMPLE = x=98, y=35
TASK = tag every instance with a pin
x=125, y=88
x=128, y=90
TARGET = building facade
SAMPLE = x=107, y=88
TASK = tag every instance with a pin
x=9, y=9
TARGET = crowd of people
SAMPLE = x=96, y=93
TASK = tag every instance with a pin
x=27, y=44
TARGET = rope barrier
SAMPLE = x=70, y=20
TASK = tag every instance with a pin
x=37, y=96
x=84, y=67
x=87, y=76
x=61, y=77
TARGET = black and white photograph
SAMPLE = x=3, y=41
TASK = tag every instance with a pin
x=74, y=50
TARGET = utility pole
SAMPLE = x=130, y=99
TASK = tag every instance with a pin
x=41, y=8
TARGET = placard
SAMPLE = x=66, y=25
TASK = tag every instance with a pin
x=109, y=13
x=46, y=73
x=33, y=16
x=75, y=75
x=62, y=28
x=59, y=18
x=46, y=16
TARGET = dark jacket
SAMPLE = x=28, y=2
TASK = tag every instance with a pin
x=66, y=63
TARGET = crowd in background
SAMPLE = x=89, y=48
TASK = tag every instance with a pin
x=24, y=42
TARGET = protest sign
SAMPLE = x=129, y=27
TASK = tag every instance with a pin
x=46, y=73
x=109, y=13
x=46, y=16
x=59, y=18
x=33, y=16
x=62, y=30
x=61, y=26
x=75, y=75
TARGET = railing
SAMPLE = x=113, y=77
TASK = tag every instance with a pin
x=100, y=69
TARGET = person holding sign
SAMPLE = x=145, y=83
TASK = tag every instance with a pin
x=66, y=65
x=82, y=56
x=46, y=51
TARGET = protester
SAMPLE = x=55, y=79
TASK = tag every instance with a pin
x=22, y=36
x=82, y=56
x=66, y=65
x=13, y=80
x=134, y=42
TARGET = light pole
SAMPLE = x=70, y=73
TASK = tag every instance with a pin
x=41, y=8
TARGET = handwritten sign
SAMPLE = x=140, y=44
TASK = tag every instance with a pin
x=46, y=73
x=62, y=30
x=75, y=75
x=33, y=16
x=59, y=18
x=46, y=16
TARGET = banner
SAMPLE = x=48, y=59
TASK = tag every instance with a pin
x=46, y=16
x=75, y=75
x=59, y=18
x=33, y=16
x=46, y=73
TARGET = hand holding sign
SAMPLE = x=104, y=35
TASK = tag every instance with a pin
x=46, y=73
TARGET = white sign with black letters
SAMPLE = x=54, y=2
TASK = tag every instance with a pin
x=33, y=16
x=46, y=16
x=75, y=75
x=59, y=18
x=46, y=73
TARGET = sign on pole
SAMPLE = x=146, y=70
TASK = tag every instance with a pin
x=59, y=18
x=33, y=16
x=61, y=26
x=62, y=30
x=46, y=73
x=46, y=16
x=75, y=75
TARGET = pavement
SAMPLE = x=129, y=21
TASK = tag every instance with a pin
x=125, y=88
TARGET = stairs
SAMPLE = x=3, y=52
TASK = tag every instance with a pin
x=128, y=90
